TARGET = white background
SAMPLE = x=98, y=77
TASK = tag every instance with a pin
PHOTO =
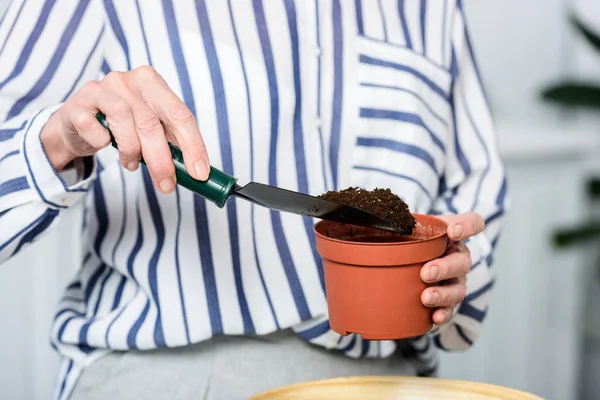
x=533, y=336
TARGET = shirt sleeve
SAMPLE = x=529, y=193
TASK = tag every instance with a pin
x=47, y=51
x=474, y=180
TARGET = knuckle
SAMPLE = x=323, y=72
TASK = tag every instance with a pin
x=68, y=110
x=161, y=166
x=119, y=109
x=90, y=86
x=83, y=121
x=115, y=77
x=130, y=148
x=103, y=141
x=148, y=125
x=146, y=72
x=181, y=114
x=196, y=149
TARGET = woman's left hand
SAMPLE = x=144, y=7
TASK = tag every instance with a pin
x=448, y=274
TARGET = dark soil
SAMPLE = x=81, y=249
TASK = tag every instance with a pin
x=377, y=238
x=381, y=202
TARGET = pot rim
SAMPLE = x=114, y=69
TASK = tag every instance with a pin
x=386, y=244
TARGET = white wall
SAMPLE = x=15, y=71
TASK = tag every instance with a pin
x=30, y=286
x=518, y=44
x=521, y=46
x=524, y=46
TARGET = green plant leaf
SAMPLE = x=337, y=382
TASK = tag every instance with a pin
x=573, y=94
x=578, y=235
x=593, y=186
x=592, y=37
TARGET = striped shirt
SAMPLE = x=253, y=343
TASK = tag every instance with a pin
x=308, y=95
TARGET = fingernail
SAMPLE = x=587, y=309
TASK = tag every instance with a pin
x=433, y=298
x=167, y=185
x=457, y=231
x=433, y=273
x=442, y=318
x=132, y=166
x=202, y=169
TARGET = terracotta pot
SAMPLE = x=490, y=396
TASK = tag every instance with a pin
x=372, y=277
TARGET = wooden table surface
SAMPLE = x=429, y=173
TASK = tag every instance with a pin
x=392, y=388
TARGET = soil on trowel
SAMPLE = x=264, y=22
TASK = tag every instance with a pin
x=381, y=202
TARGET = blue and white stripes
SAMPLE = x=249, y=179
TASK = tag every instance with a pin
x=305, y=95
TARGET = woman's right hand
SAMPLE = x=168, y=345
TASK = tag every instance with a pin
x=143, y=114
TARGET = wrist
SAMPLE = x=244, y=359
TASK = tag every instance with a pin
x=57, y=152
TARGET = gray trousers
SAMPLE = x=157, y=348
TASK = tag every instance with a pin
x=223, y=368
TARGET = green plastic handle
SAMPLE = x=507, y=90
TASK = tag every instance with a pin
x=216, y=189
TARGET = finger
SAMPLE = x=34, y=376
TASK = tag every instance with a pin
x=118, y=116
x=151, y=136
x=177, y=119
x=462, y=226
x=85, y=135
x=444, y=296
x=453, y=265
x=442, y=316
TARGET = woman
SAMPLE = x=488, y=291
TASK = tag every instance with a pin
x=176, y=297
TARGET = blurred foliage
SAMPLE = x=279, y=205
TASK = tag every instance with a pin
x=573, y=93
x=580, y=234
x=593, y=189
x=585, y=95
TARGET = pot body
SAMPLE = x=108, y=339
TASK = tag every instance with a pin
x=372, y=279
